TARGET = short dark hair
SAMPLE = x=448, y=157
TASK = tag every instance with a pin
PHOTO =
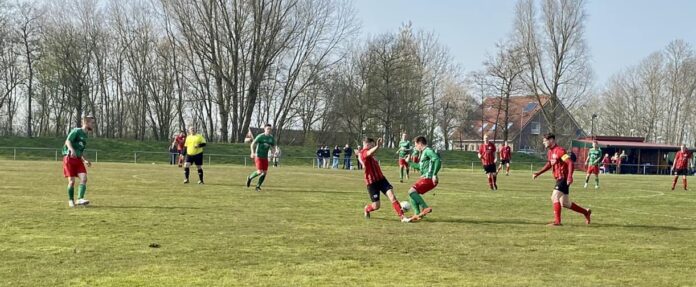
x=267, y=126
x=369, y=140
x=421, y=140
x=550, y=136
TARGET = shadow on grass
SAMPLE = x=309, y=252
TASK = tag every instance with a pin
x=643, y=226
x=141, y=207
x=523, y=222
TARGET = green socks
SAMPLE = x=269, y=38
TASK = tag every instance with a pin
x=82, y=190
x=596, y=181
x=261, y=179
x=71, y=192
x=417, y=202
x=401, y=173
x=253, y=175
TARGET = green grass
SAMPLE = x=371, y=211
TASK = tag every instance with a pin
x=119, y=150
x=306, y=229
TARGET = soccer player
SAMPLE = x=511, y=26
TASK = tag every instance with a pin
x=376, y=182
x=594, y=155
x=488, y=159
x=74, y=161
x=682, y=162
x=562, y=166
x=259, y=152
x=178, y=142
x=429, y=165
x=505, y=156
x=403, y=152
x=194, y=154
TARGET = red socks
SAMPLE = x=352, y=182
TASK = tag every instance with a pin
x=397, y=207
x=369, y=208
x=557, y=213
x=578, y=209
x=490, y=181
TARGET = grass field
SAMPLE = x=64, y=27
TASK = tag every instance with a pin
x=306, y=229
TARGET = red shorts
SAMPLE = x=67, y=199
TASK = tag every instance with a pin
x=403, y=163
x=73, y=166
x=424, y=185
x=593, y=169
x=261, y=163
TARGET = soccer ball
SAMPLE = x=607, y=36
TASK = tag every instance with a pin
x=405, y=206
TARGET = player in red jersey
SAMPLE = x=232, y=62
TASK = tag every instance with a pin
x=682, y=162
x=178, y=142
x=505, y=156
x=562, y=166
x=488, y=158
x=376, y=182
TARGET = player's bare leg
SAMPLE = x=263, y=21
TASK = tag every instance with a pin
x=507, y=169
x=564, y=200
x=370, y=208
x=674, y=182
x=684, y=180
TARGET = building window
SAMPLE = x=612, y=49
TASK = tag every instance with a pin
x=535, y=128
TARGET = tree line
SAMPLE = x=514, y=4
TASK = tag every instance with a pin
x=147, y=68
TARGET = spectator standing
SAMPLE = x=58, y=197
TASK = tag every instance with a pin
x=336, y=156
x=326, y=154
x=347, y=155
x=320, y=157
x=357, y=158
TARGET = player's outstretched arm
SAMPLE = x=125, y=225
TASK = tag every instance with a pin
x=546, y=167
x=375, y=148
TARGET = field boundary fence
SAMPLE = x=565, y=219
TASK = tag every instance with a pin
x=155, y=157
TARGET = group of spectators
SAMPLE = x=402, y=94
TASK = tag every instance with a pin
x=327, y=158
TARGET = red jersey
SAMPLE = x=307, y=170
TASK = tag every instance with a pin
x=606, y=161
x=180, y=140
x=487, y=152
x=373, y=172
x=557, y=157
x=681, y=159
x=505, y=153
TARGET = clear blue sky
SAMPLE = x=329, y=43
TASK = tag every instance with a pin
x=619, y=33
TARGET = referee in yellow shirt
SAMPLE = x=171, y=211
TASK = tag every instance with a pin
x=194, y=153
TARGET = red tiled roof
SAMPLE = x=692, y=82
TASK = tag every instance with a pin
x=521, y=110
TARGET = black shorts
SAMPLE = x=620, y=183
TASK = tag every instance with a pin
x=504, y=161
x=375, y=188
x=683, y=171
x=490, y=168
x=562, y=186
x=195, y=159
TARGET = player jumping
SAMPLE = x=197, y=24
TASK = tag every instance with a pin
x=505, y=156
x=563, y=173
x=194, y=154
x=488, y=159
x=376, y=182
x=404, y=151
x=428, y=166
x=594, y=156
x=74, y=161
x=681, y=166
x=259, y=152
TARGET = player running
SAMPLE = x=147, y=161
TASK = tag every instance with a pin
x=405, y=149
x=562, y=166
x=682, y=162
x=594, y=157
x=194, y=154
x=488, y=158
x=178, y=143
x=376, y=182
x=428, y=166
x=74, y=161
x=259, y=152
x=505, y=157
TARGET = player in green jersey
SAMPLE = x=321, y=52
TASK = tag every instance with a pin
x=259, y=152
x=74, y=161
x=404, y=151
x=428, y=166
x=594, y=157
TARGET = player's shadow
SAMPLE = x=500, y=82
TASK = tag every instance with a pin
x=523, y=222
x=483, y=221
x=142, y=207
x=641, y=226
